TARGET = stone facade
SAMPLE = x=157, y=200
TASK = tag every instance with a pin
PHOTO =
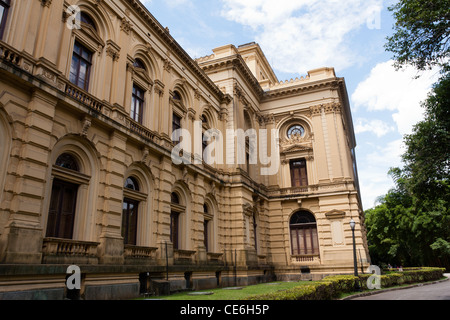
x=232, y=225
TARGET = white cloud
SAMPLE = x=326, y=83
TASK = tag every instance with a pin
x=378, y=127
x=387, y=89
x=373, y=170
x=311, y=33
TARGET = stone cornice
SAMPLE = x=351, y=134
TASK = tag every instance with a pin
x=176, y=49
x=237, y=63
x=332, y=83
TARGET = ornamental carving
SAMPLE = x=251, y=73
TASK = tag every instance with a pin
x=331, y=107
x=125, y=26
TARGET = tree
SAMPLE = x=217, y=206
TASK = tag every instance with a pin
x=422, y=33
x=427, y=156
x=411, y=225
x=406, y=230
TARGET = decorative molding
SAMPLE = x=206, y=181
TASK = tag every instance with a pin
x=46, y=3
x=159, y=87
x=112, y=50
x=167, y=65
x=335, y=214
x=87, y=122
x=126, y=26
x=247, y=209
x=332, y=107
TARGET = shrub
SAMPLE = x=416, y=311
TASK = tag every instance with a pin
x=330, y=287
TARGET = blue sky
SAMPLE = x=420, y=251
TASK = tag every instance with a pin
x=300, y=35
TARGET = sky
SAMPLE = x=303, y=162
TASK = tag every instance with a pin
x=301, y=35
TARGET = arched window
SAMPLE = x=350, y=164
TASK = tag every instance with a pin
x=130, y=213
x=138, y=63
x=86, y=19
x=303, y=229
x=67, y=161
x=131, y=183
x=176, y=96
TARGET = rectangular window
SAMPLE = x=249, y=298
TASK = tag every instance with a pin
x=137, y=104
x=176, y=124
x=299, y=176
x=80, y=68
x=4, y=8
x=174, y=229
x=205, y=234
x=304, y=241
x=61, y=215
x=129, y=221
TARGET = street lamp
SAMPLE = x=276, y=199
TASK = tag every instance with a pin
x=355, y=263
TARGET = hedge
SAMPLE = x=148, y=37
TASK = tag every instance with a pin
x=332, y=286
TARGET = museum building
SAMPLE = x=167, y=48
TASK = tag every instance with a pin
x=91, y=92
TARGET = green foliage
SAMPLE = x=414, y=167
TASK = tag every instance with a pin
x=422, y=33
x=332, y=286
x=411, y=225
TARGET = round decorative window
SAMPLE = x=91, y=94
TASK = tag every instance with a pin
x=296, y=131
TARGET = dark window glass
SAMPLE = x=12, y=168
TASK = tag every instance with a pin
x=4, y=8
x=296, y=131
x=139, y=64
x=255, y=232
x=81, y=66
x=131, y=183
x=176, y=96
x=176, y=124
x=129, y=221
x=137, y=104
x=174, y=198
x=61, y=215
x=85, y=18
x=174, y=226
x=205, y=234
x=67, y=161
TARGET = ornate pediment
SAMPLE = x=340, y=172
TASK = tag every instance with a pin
x=335, y=214
x=92, y=33
x=296, y=148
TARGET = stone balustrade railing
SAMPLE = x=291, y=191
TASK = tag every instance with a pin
x=55, y=250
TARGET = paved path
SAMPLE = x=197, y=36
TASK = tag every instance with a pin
x=439, y=291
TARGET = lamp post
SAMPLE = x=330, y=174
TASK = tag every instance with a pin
x=355, y=263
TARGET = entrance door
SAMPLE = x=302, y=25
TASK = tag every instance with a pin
x=61, y=215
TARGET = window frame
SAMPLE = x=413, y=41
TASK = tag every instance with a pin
x=301, y=232
x=303, y=176
x=135, y=99
x=128, y=221
x=176, y=125
x=6, y=4
x=81, y=59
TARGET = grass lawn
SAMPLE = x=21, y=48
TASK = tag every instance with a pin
x=227, y=294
